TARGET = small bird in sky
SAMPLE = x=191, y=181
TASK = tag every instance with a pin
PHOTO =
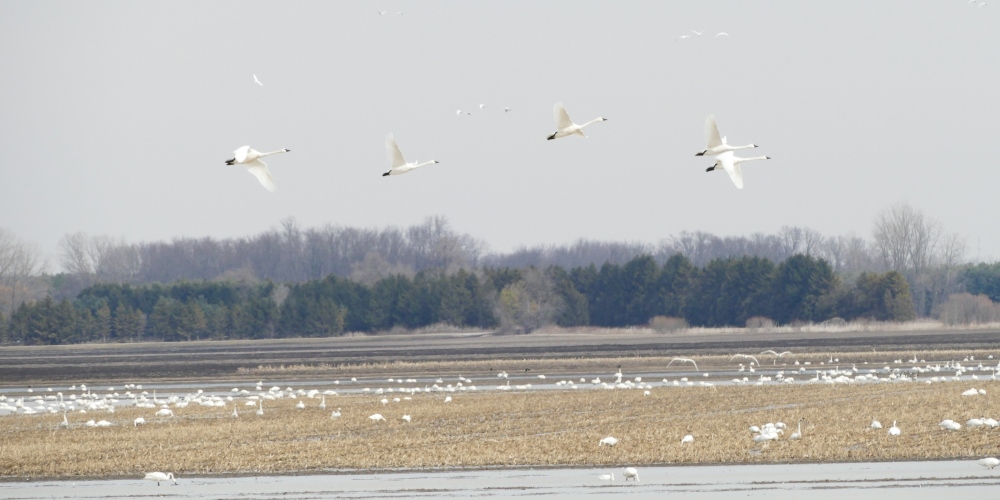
x=722, y=33
x=482, y=106
x=682, y=37
x=506, y=110
x=258, y=81
x=696, y=32
x=381, y=12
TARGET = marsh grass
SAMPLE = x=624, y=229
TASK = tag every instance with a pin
x=497, y=428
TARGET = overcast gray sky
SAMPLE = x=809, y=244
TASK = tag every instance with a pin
x=116, y=117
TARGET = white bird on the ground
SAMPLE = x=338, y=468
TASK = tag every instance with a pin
x=876, y=424
x=260, y=410
x=731, y=164
x=631, y=473
x=407, y=418
x=236, y=414
x=301, y=405
x=65, y=422
x=565, y=126
x=610, y=441
x=139, y=421
x=447, y=399
x=607, y=477
x=376, y=417
x=397, y=165
x=165, y=412
x=989, y=462
x=971, y=392
x=684, y=360
x=894, y=431
x=103, y=423
x=335, y=414
x=159, y=476
x=798, y=434
x=250, y=158
x=717, y=143
x=687, y=439
x=950, y=425
x=257, y=81
x=322, y=404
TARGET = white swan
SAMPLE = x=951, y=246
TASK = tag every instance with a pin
x=687, y=439
x=257, y=81
x=989, y=462
x=397, y=165
x=684, y=360
x=139, y=421
x=631, y=473
x=65, y=422
x=610, y=441
x=894, y=431
x=322, y=404
x=876, y=424
x=716, y=143
x=798, y=434
x=950, y=425
x=159, y=476
x=376, y=417
x=250, y=158
x=301, y=405
x=731, y=164
x=607, y=477
x=565, y=126
x=407, y=418
x=260, y=410
x=335, y=414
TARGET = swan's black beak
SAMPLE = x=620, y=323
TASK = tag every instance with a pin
x=435, y=161
x=553, y=136
x=709, y=169
x=386, y=174
x=700, y=154
x=230, y=162
x=768, y=157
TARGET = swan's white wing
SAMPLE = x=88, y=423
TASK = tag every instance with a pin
x=259, y=170
x=712, y=133
x=392, y=150
x=562, y=117
x=732, y=169
x=241, y=154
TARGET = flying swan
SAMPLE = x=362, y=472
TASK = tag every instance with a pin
x=565, y=126
x=250, y=158
x=397, y=164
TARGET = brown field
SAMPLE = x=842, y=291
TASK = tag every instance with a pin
x=490, y=428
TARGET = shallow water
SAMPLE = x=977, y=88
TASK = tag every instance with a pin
x=858, y=481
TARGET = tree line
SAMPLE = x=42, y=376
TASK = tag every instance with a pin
x=730, y=291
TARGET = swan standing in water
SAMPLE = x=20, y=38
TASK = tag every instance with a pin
x=731, y=164
x=607, y=477
x=631, y=473
x=159, y=476
x=565, y=126
x=716, y=143
x=397, y=165
x=250, y=158
x=989, y=463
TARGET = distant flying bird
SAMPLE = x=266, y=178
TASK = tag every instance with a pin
x=565, y=126
x=716, y=143
x=682, y=37
x=258, y=81
x=684, y=360
x=722, y=33
x=505, y=110
x=381, y=12
x=482, y=106
x=458, y=112
x=731, y=164
x=398, y=165
x=695, y=32
x=251, y=160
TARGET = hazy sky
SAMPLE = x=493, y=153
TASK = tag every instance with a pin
x=116, y=117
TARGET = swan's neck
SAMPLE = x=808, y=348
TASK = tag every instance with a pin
x=273, y=152
x=747, y=146
x=418, y=165
x=595, y=120
x=750, y=159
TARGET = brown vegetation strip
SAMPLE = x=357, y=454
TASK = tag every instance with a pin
x=493, y=428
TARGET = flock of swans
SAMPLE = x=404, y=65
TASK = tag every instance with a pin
x=565, y=127
x=83, y=400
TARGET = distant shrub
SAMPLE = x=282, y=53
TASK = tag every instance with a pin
x=838, y=321
x=760, y=323
x=667, y=324
x=965, y=308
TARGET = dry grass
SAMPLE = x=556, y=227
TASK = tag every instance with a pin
x=492, y=428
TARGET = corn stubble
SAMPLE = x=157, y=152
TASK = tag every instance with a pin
x=493, y=428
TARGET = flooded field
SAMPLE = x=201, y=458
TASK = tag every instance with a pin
x=912, y=480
